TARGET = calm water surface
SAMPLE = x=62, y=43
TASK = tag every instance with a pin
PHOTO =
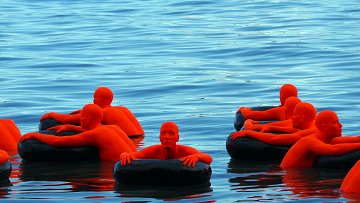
x=192, y=62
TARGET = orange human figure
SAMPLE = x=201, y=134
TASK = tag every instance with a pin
x=277, y=126
x=351, y=183
x=168, y=149
x=4, y=157
x=276, y=113
x=302, y=125
x=110, y=140
x=113, y=115
x=9, y=136
x=303, y=153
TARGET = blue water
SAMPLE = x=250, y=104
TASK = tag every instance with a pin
x=194, y=62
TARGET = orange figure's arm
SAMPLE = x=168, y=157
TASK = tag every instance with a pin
x=283, y=139
x=67, y=127
x=146, y=153
x=63, y=141
x=345, y=139
x=323, y=149
x=63, y=118
x=191, y=156
x=276, y=113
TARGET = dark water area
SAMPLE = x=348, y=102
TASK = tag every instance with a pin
x=192, y=62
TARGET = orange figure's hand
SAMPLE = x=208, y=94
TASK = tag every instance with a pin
x=126, y=158
x=237, y=134
x=190, y=160
x=58, y=128
x=249, y=124
x=67, y=127
x=245, y=111
x=27, y=137
x=46, y=116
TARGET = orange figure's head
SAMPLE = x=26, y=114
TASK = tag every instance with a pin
x=290, y=104
x=303, y=116
x=169, y=134
x=103, y=97
x=327, y=122
x=286, y=91
x=91, y=116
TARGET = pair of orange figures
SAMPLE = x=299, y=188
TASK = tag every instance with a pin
x=310, y=134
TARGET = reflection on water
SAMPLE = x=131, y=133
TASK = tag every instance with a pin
x=270, y=182
x=82, y=176
x=166, y=193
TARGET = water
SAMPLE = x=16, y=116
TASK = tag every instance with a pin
x=192, y=62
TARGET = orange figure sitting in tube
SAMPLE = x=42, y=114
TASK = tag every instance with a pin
x=276, y=113
x=278, y=126
x=304, y=152
x=168, y=149
x=113, y=115
x=110, y=140
x=9, y=136
x=302, y=125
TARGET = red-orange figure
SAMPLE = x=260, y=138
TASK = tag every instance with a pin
x=303, y=153
x=168, y=149
x=351, y=182
x=110, y=140
x=276, y=113
x=9, y=136
x=113, y=115
x=302, y=123
x=4, y=157
x=278, y=126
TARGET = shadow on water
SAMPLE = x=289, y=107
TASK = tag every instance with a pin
x=82, y=176
x=296, y=184
x=162, y=192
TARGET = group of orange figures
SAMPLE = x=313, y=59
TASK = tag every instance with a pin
x=309, y=133
x=110, y=129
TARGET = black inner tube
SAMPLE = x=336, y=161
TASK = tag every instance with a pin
x=161, y=173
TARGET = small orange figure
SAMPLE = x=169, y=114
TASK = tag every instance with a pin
x=113, y=115
x=278, y=126
x=4, y=157
x=9, y=136
x=168, y=149
x=276, y=113
x=110, y=140
x=302, y=125
x=303, y=153
x=351, y=183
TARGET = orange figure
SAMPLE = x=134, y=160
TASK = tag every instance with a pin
x=303, y=153
x=113, y=115
x=168, y=149
x=4, y=157
x=9, y=136
x=276, y=113
x=302, y=125
x=278, y=126
x=351, y=183
x=110, y=140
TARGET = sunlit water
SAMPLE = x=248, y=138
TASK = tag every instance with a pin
x=192, y=62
